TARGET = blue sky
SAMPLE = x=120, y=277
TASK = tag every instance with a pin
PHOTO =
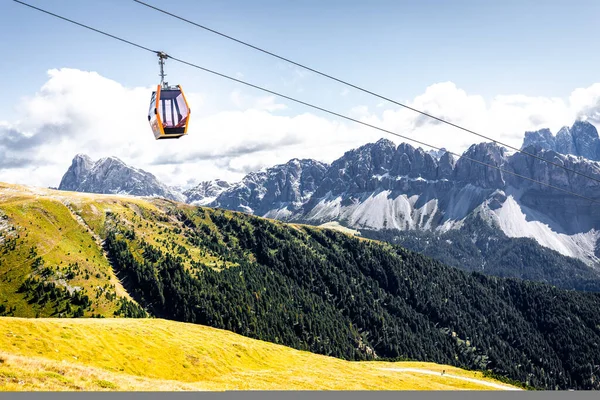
x=397, y=48
x=394, y=47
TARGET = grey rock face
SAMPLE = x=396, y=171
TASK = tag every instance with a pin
x=419, y=191
x=437, y=154
x=446, y=165
x=206, y=192
x=585, y=140
x=542, y=138
x=279, y=191
x=110, y=175
x=357, y=169
x=77, y=172
x=365, y=189
x=564, y=141
x=481, y=175
x=579, y=140
x=243, y=195
x=568, y=214
x=413, y=163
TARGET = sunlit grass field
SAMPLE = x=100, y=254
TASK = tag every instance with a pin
x=153, y=354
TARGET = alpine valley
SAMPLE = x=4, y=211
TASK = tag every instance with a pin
x=216, y=299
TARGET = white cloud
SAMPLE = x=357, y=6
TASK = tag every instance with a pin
x=267, y=103
x=504, y=118
x=359, y=111
x=236, y=98
x=587, y=102
x=83, y=112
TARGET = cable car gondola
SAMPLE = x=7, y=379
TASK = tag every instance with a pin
x=169, y=113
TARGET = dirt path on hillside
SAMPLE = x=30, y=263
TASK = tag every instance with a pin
x=464, y=378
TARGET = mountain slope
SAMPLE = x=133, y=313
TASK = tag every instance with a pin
x=45, y=238
x=164, y=355
x=377, y=301
x=477, y=246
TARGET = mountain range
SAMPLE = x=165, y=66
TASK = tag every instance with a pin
x=407, y=192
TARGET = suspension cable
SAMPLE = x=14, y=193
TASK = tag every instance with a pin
x=366, y=91
x=320, y=108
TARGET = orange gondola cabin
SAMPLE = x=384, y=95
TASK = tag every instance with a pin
x=169, y=112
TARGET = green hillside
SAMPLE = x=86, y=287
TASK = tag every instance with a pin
x=308, y=288
x=51, y=262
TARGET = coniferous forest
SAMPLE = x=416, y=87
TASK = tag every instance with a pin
x=476, y=246
x=333, y=294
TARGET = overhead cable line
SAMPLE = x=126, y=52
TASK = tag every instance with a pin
x=320, y=108
x=85, y=26
x=366, y=91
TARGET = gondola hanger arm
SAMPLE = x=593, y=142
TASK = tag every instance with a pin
x=162, y=56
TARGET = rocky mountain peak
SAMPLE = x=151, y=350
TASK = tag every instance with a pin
x=413, y=162
x=581, y=140
x=446, y=166
x=542, y=138
x=468, y=170
x=110, y=175
x=206, y=192
x=437, y=154
x=585, y=140
x=281, y=189
x=77, y=172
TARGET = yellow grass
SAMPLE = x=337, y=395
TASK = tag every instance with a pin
x=153, y=354
x=337, y=226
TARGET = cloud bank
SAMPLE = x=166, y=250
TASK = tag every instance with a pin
x=82, y=112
